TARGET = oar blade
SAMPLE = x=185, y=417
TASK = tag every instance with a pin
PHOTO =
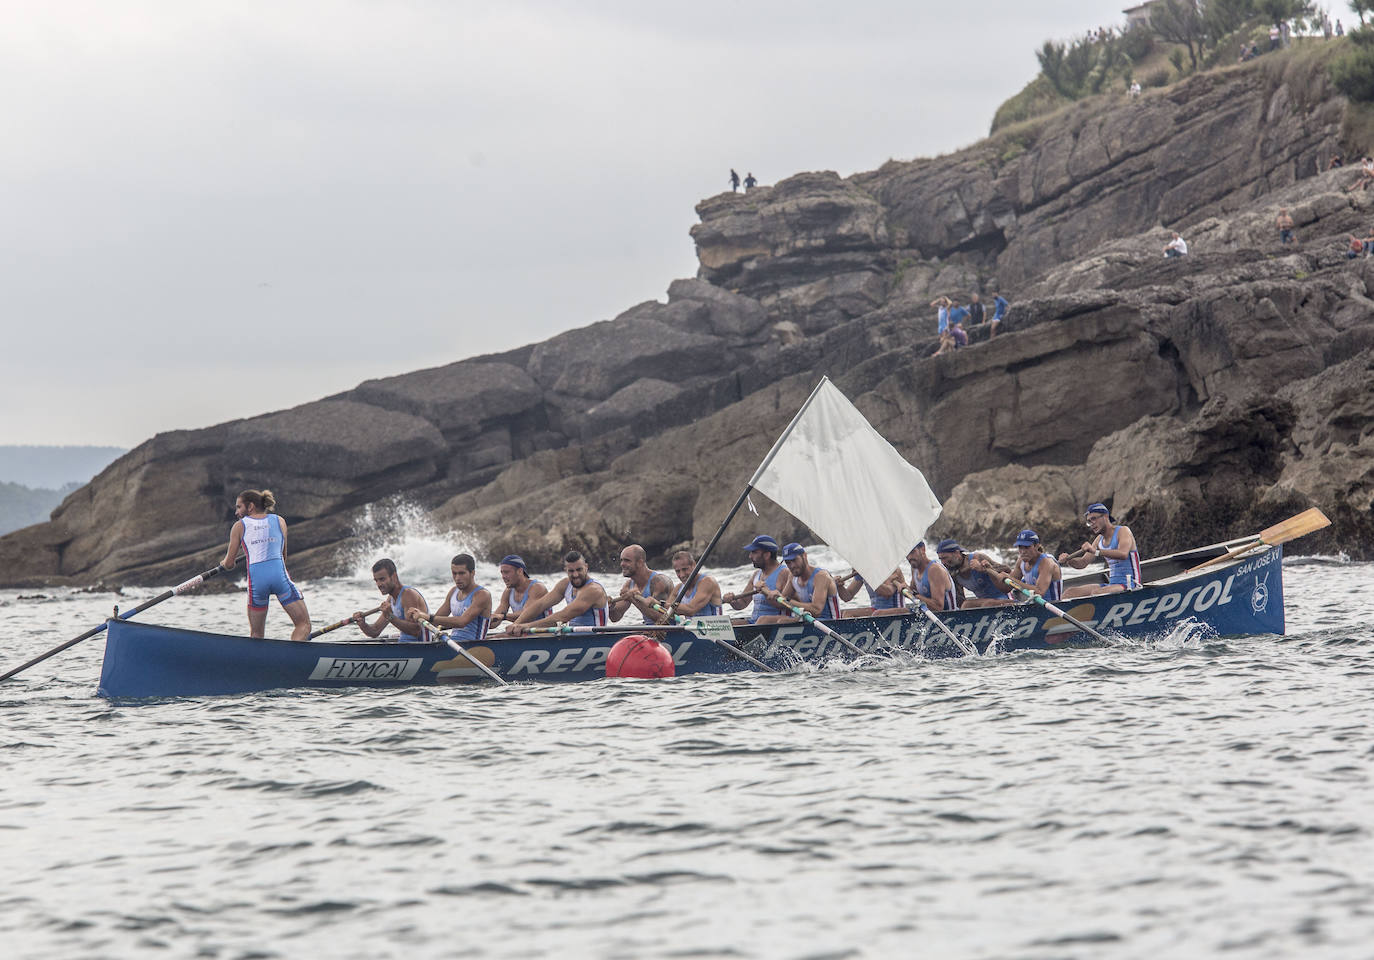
x=1301, y=525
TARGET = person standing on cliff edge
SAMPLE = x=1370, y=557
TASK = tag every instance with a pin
x=734, y=181
x=261, y=535
x=749, y=182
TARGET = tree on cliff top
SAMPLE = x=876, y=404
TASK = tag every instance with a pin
x=1180, y=21
x=1353, y=74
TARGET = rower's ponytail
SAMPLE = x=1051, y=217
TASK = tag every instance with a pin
x=259, y=500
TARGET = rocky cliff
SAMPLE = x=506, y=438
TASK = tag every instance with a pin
x=1202, y=397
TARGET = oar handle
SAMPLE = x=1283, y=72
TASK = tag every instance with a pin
x=180, y=588
x=345, y=621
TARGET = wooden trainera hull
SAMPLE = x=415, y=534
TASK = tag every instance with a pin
x=1244, y=597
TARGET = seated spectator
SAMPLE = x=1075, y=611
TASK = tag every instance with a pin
x=1336, y=161
x=1176, y=247
x=1354, y=248
x=960, y=335
x=1366, y=176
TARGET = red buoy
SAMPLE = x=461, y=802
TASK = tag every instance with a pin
x=639, y=656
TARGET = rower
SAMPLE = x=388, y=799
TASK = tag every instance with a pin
x=466, y=611
x=520, y=589
x=930, y=581
x=703, y=599
x=402, y=598
x=1116, y=545
x=584, y=600
x=811, y=588
x=1036, y=568
x=884, y=600
x=960, y=564
x=768, y=572
x=640, y=584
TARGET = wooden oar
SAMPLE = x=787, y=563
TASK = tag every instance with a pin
x=963, y=643
x=1034, y=597
x=346, y=621
x=433, y=631
x=684, y=623
x=798, y=611
x=191, y=584
x=1296, y=526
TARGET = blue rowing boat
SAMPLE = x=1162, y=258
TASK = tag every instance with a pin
x=1240, y=597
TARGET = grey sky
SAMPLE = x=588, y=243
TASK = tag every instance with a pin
x=218, y=209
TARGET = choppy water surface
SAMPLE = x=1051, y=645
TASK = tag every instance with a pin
x=1178, y=798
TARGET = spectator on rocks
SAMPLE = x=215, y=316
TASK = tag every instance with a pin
x=1368, y=242
x=941, y=305
x=734, y=181
x=1340, y=30
x=1176, y=247
x=1285, y=224
x=1366, y=176
x=1133, y=91
x=1354, y=248
x=1274, y=38
x=975, y=310
x=999, y=313
x=960, y=335
x=749, y=182
x=1335, y=162
x=1326, y=26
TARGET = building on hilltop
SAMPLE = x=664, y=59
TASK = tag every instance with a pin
x=1139, y=15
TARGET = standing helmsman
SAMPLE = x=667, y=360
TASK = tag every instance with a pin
x=1114, y=544
x=811, y=589
x=261, y=534
x=401, y=598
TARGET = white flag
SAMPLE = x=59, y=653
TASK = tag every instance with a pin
x=834, y=472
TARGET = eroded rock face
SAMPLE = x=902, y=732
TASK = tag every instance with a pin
x=1201, y=396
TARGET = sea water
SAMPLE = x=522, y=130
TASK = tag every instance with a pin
x=1179, y=797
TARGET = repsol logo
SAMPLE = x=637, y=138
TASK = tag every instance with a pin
x=576, y=659
x=338, y=668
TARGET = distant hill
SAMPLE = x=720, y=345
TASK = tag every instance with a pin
x=49, y=468
x=22, y=506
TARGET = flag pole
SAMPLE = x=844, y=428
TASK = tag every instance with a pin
x=773, y=452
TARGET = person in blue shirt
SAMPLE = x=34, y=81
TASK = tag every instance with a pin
x=999, y=313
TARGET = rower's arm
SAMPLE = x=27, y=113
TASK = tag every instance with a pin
x=892, y=585
x=940, y=584
x=1125, y=543
x=591, y=595
x=235, y=541
x=480, y=607
x=530, y=615
x=825, y=586
x=499, y=613
x=848, y=587
x=742, y=600
x=1048, y=574
x=373, y=630
x=410, y=599
x=708, y=591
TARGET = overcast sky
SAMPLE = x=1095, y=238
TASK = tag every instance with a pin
x=216, y=210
